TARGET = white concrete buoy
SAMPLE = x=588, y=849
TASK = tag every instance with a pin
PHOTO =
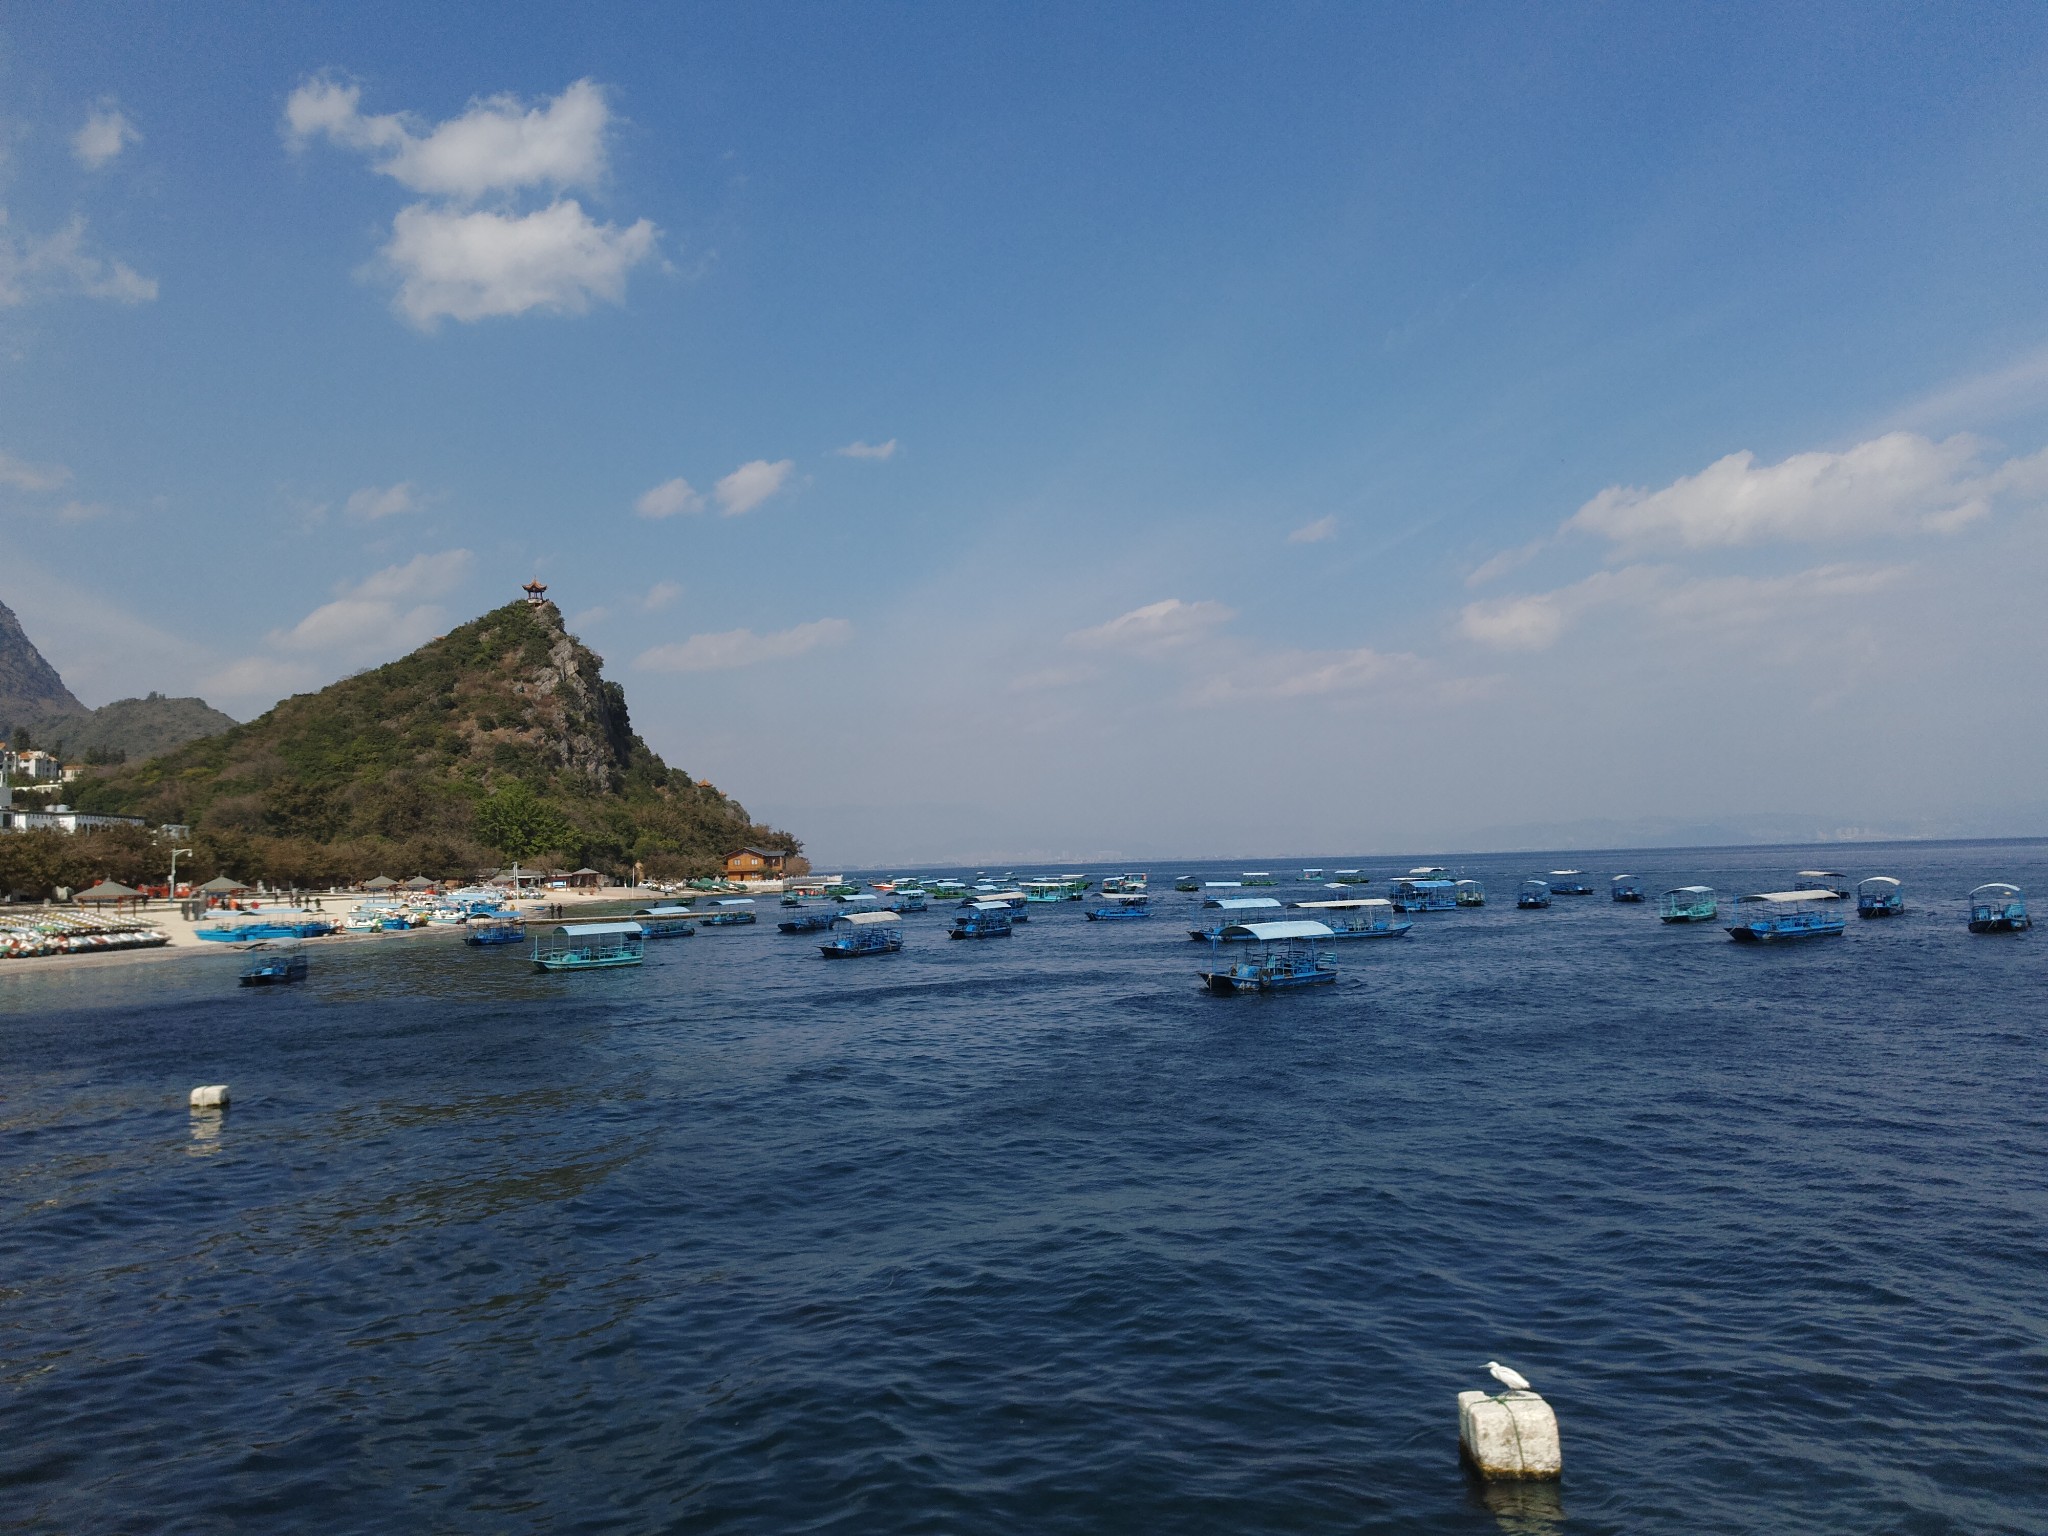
x=213, y=1096
x=1511, y=1433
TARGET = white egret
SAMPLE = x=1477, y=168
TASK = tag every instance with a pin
x=1512, y=1379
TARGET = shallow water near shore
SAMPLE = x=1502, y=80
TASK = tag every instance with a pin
x=1030, y=1235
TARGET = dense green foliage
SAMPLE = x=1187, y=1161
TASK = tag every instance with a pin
x=125, y=730
x=499, y=740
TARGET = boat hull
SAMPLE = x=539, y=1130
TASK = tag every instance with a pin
x=1236, y=983
x=856, y=951
x=2001, y=924
x=1761, y=933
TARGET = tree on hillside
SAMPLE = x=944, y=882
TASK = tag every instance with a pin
x=519, y=824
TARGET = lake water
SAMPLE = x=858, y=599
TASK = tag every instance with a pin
x=1030, y=1235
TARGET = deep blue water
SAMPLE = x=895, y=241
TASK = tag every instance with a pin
x=1029, y=1235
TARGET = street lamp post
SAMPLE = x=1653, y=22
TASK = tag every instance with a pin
x=171, y=889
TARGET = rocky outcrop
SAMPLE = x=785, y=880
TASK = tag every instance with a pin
x=30, y=688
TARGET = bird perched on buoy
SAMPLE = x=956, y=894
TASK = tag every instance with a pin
x=1507, y=1376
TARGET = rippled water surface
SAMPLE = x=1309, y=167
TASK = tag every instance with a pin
x=1030, y=1235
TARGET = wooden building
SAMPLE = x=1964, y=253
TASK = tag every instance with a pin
x=755, y=864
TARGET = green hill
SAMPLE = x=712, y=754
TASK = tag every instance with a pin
x=125, y=729
x=500, y=740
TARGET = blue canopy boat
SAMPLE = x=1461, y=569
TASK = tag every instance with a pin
x=808, y=922
x=1879, y=896
x=1775, y=917
x=276, y=967
x=1118, y=905
x=667, y=922
x=983, y=920
x=486, y=928
x=274, y=925
x=863, y=933
x=1432, y=893
x=731, y=912
x=1626, y=888
x=1999, y=908
x=1689, y=904
x=1289, y=955
x=590, y=946
x=1569, y=882
x=1235, y=909
x=1533, y=894
x=1358, y=917
x=910, y=898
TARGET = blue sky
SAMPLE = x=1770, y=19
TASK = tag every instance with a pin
x=1059, y=431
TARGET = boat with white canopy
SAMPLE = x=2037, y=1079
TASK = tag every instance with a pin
x=1879, y=896
x=1235, y=909
x=1569, y=882
x=1625, y=888
x=1533, y=895
x=1776, y=917
x=1689, y=904
x=1823, y=880
x=983, y=920
x=1119, y=905
x=1362, y=917
x=1999, y=908
x=1431, y=894
x=1289, y=955
x=589, y=946
x=1468, y=893
x=855, y=934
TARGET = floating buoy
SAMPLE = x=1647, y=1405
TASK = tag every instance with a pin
x=1511, y=1434
x=213, y=1096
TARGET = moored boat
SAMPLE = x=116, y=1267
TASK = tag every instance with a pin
x=1121, y=904
x=1533, y=894
x=855, y=934
x=1569, y=882
x=983, y=920
x=1777, y=917
x=1625, y=888
x=667, y=922
x=1823, y=880
x=1361, y=917
x=589, y=946
x=1468, y=893
x=1431, y=893
x=1234, y=910
x=276, y=966
x=730, y=912
x=1288, y=955
x=488, y=928
x=1689, y=904
x=1879, y=896
x=1999, y=908
x=808, y=922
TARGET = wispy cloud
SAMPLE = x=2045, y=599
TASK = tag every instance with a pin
x=24, y=476
x=387, y=612
x=751, y=484
x=661, y=595
x=61, y=265
x=105, y=134
x=868, y=450
x=743, y=648
x=1314, y=533
x=669, y=499
x=377, y=502
x=1154, y=628
x=1894, y=484
x=454, y=261
x=1507, y=560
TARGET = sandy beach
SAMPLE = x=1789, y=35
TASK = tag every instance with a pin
x=166, y=917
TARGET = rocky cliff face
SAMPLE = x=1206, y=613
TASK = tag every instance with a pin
x=419, y=754
x=29, y=686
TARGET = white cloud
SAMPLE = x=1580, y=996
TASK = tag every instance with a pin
x=455, y=261
x=1898, y=483
x=106, y=133
x=375, y=502
x=384, y=613
x=1507, y=560
x=743, y=648
x=868, y=450
x=1286, y=674
x=751, y=484
x=82, y=511
x=1155, y=628
x=58, y=265
x=1536, y=622
x=471, y=266
x=498, y=145
x=24, y=476
x=1314, y=533
x=661, y=595
x=668, y=499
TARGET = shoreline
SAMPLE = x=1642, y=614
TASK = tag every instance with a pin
x=185, y=941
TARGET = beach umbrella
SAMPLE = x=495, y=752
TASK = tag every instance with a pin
x=108, y=890
x=379, y=883
x=221, y=885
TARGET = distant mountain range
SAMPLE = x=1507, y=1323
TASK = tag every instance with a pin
x=33, y=699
